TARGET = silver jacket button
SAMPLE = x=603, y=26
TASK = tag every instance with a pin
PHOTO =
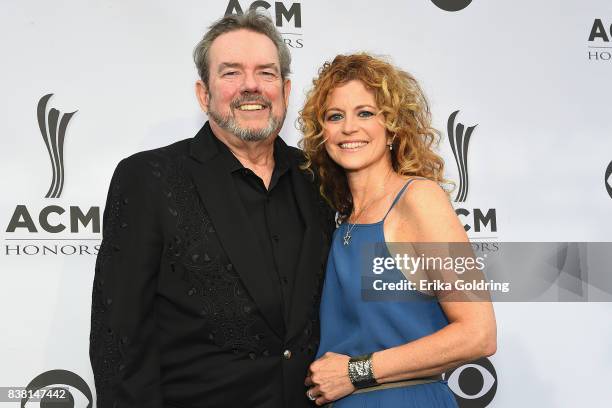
x=287, y=354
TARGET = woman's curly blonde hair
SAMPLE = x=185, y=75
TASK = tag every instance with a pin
x=407, y=119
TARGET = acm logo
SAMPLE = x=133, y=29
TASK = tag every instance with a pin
x=474, y=384
x=459, y=137
x=53, y=126
x=599, y=41
x=285, y=15
x=54, y=136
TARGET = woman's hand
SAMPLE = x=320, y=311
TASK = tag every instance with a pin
x=328, y=378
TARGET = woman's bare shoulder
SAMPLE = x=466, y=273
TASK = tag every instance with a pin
x=427, y=209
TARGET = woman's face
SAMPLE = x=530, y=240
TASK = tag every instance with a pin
x=355, y=137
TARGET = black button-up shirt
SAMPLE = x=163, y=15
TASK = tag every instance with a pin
x=274, y=214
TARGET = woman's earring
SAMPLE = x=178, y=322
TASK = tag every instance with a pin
x=391, y=144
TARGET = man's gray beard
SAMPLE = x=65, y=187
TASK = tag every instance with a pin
x=248, y=135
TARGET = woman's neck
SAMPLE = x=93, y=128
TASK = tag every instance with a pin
x=368, y=185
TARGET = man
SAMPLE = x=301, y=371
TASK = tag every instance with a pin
x=208, y=278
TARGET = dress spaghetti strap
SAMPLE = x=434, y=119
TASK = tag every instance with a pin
x=399, y=194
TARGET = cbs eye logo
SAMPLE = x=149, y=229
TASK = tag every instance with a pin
x=452, y=5
x=608, y=179
x=474, y=384
x=60, y=386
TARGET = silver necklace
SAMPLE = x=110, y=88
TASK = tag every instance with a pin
x=347, y=236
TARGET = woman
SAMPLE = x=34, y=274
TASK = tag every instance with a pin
x=367, y=132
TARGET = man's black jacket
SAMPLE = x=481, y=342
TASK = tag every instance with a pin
x=185, y=311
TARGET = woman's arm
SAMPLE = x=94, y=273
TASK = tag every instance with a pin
x=425, y=214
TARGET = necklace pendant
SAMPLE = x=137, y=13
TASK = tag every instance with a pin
x=347, y=238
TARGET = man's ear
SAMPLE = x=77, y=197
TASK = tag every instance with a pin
x=202, y=94
x=287, y=91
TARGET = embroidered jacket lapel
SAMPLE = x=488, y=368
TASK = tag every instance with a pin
x=230, y=220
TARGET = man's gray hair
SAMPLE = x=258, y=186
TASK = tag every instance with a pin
x=251, y=20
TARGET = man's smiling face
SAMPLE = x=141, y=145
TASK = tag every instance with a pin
x=246, y=95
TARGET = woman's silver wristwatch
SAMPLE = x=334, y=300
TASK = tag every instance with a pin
x=360, y=371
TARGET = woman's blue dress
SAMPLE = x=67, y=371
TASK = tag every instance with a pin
x=356, y=320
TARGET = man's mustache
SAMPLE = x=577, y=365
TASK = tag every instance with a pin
x=258, y=99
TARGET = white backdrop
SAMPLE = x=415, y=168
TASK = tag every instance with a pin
x=524, y=72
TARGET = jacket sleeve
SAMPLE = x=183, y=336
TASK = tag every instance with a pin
x=123, y=347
